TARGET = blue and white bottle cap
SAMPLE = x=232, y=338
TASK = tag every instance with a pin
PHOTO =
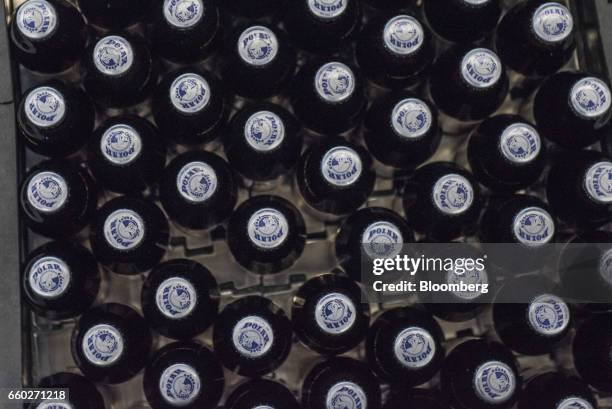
x=598, y=182
x=36, y=19
x=403, y=35
x=252, y=336
x=469, y=277
x=590, y=97
x=47, y=192
x=548, y=315
x=533, y=226
x=574, y=403
x=382, y=240
x=335, y=313
x=341, y=166
x=176, y=298
x=63, y=404
x=190, y=93
x=520, y=143
x=197, y=182
x=327, y=9
x=258, y=45
x=335, y=82
x=495, y=382
x=102, y=345
x=121, y=144
x=414, y=347
x=183, y=13
x=453, y=194
x=344, y=395
x=264, y=131
x=113, y=55
x=605, y=266
x=124, y=229
x=268, y=228
x=411, y=118
x=481, y=68
x=45, y=107
x=552, y=22
x=179, y=384
x=49, y=277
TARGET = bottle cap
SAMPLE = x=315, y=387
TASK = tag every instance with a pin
x=411, y=118
x=414, y=348
x=341, y=166
x=327, y=9
x=552, y=22
x=268, y=228
x=533, y=226
x=346, y=395
x=190, y=93
x=403, y=35
x=252, y=336
x=598, y=182
x=382, y=240
x=258, y=45
x=453, y=194
x=264, y=131
x=481, y=68
x=495, y=382
x=121, y=144
x=590, y=97
x=36, y=19
x=102, y=345
x=520, y=143
x=124, y=229
x=176, y=298
x=47, y=192
x=113, y=55
x=45, y=107
x=197, y=182
x=49, y=277
x=335, y=82
x=183, y=13
x=179, y=384
x=548, y=315
x=335, y=313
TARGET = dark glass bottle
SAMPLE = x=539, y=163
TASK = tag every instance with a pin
x=58, y=198
x=443, y=201
x=184, y=375
x=536, y=37
x=418, y=398
x=591, y=350
x=190, y=106
x=329, y=314
x=254, y=9
x=179, y=298
x=82, y=393
x=119, y=70
x=329, y=97
x=252, y=336
x=55, y=119
x=404, y=347
x=402, y=130
x=264, y=141
x=261, y=393
x=395, y=52
x=198, y=190
x=463, y=21
x=506, y=153
x=111, y=343
x=60, y=280
x=115, y=14
x=186, y=31
x=335, y=177
x=266, y=234
x=572, y=109
x=126, y=154
x=129, y=235
x=48, y=35
x=553, y=390
x=478, y=374
x=389, y=5
x=259, y=63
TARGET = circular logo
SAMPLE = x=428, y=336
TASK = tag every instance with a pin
x=49, y=277
x=179, y=384
x=197, y=182
x=481, y=68
x=591, y=97
x=113, y=55
x=520, y=143
x=55, y=405
x=124, y=229
x=253, y=336
x=102, y=345
x=36, y=19
x=548, y=315
x=533, y=226
x=176, y=298
x=411, y=118
x=45, y=107
x=335, y=82
x=264, y=131
x=414, y=347
x=268, y=228
x=341, y=166
x=327, y=9
x=346, y=395
x=453, y=194
x=495, y=382
x=183, y=13
x=335, y=313
x=605, y=266
x=257, y=45
x=47, y=192
x=574, y=403
x=382, y=240
x=190, y=93
x=598, y=182
x=469, y=277
x=552, y=22
x=403, y=35
x=121, y=144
